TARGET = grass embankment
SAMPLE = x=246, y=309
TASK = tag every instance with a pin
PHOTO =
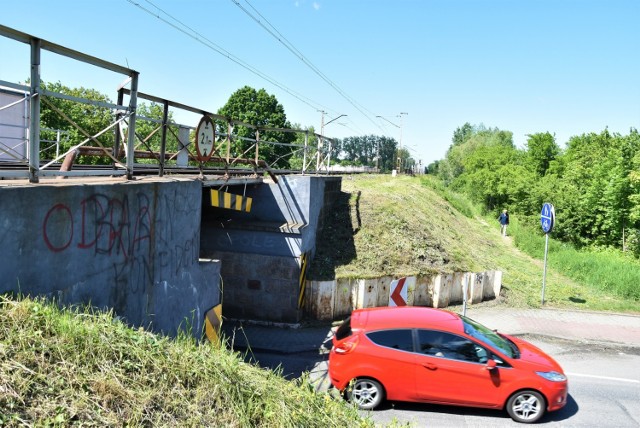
x=74, y=368
x=414, y=226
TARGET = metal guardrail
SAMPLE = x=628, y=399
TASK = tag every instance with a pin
x=120, y=144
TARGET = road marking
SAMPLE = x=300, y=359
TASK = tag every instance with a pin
x=617, y=379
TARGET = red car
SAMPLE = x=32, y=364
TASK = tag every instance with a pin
x=431, y=355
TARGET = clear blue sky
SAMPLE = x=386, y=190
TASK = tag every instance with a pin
x=564, y=66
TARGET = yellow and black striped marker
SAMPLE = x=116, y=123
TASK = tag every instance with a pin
x=213, y=324
x=303, y=279
x=230, y=201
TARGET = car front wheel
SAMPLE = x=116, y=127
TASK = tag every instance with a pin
x=366, y=394
x=526, y=406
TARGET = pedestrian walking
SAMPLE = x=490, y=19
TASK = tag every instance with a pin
x=504, y=222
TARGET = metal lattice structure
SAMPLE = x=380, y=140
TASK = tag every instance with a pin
x=166, y=148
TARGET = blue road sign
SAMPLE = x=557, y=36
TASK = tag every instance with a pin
x=547, y=217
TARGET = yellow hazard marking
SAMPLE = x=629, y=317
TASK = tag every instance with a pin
x=230, y=201
x=212, y=325
x=303, y=279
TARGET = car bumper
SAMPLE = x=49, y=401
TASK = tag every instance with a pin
x=336, y=375
x=557, y=397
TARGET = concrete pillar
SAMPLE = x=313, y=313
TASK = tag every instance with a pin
x=423, y=292
x=321, y=301
x=343, y=299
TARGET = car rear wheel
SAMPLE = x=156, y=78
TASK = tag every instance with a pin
x=366, y=394
x=526, y=406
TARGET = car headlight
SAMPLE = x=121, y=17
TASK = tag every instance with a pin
x=552, y=376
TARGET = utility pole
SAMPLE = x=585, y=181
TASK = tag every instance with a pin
x=399, y=158
x=320, y=141
x=401, y=123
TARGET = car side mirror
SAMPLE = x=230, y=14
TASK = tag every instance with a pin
x=491, y=364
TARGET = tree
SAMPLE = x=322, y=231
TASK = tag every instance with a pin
x=433, y=168
x=541, y=151
x=370, y=150
x=90, y=118
x=262, y=110
x=462, y=134
x=474, y=138
x=633, y=235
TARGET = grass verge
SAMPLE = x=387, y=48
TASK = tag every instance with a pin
x=604, y=270
x=82, y=368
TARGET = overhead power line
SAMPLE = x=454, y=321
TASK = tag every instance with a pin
x=269, y=28
x=190, y=32
x=185, y=29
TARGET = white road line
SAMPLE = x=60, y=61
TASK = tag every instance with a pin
x=617, y=379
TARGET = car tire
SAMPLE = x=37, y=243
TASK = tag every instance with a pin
x=526, y=406
x=365, y=393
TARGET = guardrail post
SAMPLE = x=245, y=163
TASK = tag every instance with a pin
x=131, y=140
x=304, y=152
x=163, y=143
x=34, y=122
x=183, y=143
x=257, y=146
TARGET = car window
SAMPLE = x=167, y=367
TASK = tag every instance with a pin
x=490, y=337
x=396, y=339
x=344, y=330
x=446, y=345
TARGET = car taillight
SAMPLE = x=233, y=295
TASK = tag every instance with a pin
x=346, y=346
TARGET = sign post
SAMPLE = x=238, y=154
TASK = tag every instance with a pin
x=547, y=220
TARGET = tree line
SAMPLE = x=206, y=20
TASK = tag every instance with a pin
x=593, y=182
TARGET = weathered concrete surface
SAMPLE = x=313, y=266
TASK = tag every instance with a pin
x=261, y=250
x=130, y=246
x=284, y=218
x=328, y=300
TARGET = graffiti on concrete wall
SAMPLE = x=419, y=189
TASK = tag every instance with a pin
x=139, y=238
x=100, y=224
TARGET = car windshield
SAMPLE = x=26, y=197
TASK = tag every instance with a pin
x=490, y=337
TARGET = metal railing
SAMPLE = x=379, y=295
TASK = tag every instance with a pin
x=130, y=144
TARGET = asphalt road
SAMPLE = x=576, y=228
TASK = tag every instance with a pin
x=604, y=389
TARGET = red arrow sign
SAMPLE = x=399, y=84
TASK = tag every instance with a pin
x=396, y=297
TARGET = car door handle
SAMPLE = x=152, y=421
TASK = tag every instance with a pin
x=430, y=366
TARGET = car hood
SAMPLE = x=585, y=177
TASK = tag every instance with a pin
x=535, y=357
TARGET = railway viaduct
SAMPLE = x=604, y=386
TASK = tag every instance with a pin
x=167, y=240
x=161, y=252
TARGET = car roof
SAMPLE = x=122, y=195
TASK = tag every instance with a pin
x=405, y=317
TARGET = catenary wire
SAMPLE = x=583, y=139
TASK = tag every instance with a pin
x=189, y=32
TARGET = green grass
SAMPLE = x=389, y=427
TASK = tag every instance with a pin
x=385, y=225
x=607, y=271
x=82, y=368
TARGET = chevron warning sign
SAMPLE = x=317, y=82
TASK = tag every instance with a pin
x=398, y=292
x=230, y=201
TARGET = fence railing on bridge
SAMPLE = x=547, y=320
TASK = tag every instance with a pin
x=127, y=142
